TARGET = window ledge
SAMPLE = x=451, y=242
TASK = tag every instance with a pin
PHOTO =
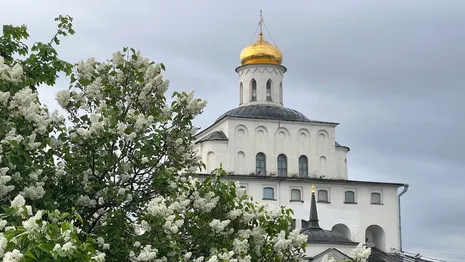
x=350, y=202
x=377, y=204
x=321, y=201
x=272, y=199
x=301, y=201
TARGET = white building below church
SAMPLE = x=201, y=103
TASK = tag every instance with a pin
x=277, y=153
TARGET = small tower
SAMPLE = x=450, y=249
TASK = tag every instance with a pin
x=317, y=235
x=261, y=73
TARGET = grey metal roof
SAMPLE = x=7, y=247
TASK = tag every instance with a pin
x=326, y=236
x=271, y=112
x=308, y=180
x=377, y=255
x=318, y=235
x=339, y=145
x=381, y=256
x=214, y=136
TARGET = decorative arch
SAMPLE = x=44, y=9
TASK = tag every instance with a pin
x=253, y=90
x=211, y=161
x=303, y=139
x=343, y=230
x=240, y=163
x=322, y=138
x=241, y=93
x=375, y=237
x=281, y=138
x=260, y=137
x=240, y=136
x=269, y=85
x=241, y=131
x=322, y=165
x=283, y=129
x=261, y=128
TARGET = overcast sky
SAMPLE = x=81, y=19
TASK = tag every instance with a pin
x=391, y=72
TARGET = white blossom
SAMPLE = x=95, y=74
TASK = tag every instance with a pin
x=13, y=256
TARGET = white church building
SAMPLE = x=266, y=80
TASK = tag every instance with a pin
x=277, y=153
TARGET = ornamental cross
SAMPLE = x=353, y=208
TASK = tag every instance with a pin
x=260, y=23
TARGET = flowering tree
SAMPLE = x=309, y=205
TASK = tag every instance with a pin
x=359, y=254
x=115, y=180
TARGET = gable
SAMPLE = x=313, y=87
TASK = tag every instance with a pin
x=331, y=252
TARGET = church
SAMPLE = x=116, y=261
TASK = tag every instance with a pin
x=277, y=153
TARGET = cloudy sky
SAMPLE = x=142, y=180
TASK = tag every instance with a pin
x=391, y=72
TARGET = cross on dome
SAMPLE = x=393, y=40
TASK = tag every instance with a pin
x=261, y=51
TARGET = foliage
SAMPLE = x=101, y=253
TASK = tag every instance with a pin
x=359, y=254
x=107, y=184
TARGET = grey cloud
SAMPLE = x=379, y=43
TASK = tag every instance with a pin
x=390, y=72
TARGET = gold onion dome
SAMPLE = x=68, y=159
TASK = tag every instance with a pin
x=261, y=52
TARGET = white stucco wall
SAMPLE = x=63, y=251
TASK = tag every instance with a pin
x=357, y=217
x=249, y=137
x=261, y=73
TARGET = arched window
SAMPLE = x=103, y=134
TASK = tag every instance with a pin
x=303, y=166
x=376, y=198
x=268, y=90
x=268, y=193
x=281, y=93
x=323, y=196
x=241, y=94
x=254, y=90
x=349, y=197
x=296, y=195
x=282, y=165
x=260, y=160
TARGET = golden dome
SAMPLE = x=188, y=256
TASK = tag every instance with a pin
x=261, y=52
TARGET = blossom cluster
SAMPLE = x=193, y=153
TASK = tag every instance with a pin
x=41, y=234
x=359, y=254
x=106, y=186
x=250, y=229
x=13, y=74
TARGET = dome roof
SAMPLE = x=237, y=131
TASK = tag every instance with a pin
x=326, y=236
x=261, y=52
x=262, y=111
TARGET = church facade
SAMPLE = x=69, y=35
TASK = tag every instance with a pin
x=276, y=153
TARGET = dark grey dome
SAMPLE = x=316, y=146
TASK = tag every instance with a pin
x=261, y=111
x=326, y=236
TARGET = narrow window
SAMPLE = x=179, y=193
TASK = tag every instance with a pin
x=323, y=195
x=282, y=165
x=260, y=164
x=303, y=166
x=268, y=91
x=375, y=198
x=349, y=197
x=254, y=90
x=241, y=95
x=268, y=193
x=295, y=195
x=281, y=92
